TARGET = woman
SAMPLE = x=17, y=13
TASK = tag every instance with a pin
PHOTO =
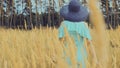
x=74, y=16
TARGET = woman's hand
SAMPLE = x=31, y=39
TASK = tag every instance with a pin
x=95, y=63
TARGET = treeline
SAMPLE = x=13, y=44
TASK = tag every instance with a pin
x=45, y=13
x=22, y=21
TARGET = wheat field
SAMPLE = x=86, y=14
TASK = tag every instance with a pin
x=41, y=48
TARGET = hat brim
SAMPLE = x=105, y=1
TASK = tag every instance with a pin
x=74, y=16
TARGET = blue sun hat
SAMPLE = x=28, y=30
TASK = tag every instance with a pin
x=74, y=12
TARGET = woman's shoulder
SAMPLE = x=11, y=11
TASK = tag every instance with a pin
x=76, y=26
x=82, y=23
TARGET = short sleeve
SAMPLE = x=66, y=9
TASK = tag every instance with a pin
x=87, y=34
x=84, y=32
x=60, y=31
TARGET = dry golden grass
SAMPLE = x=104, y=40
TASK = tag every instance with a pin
x=100, y=34
x=42, y=49
x=113, y=47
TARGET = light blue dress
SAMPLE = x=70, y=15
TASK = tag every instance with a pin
x=78, y=31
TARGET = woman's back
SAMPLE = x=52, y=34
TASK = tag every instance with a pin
x=77, y=30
